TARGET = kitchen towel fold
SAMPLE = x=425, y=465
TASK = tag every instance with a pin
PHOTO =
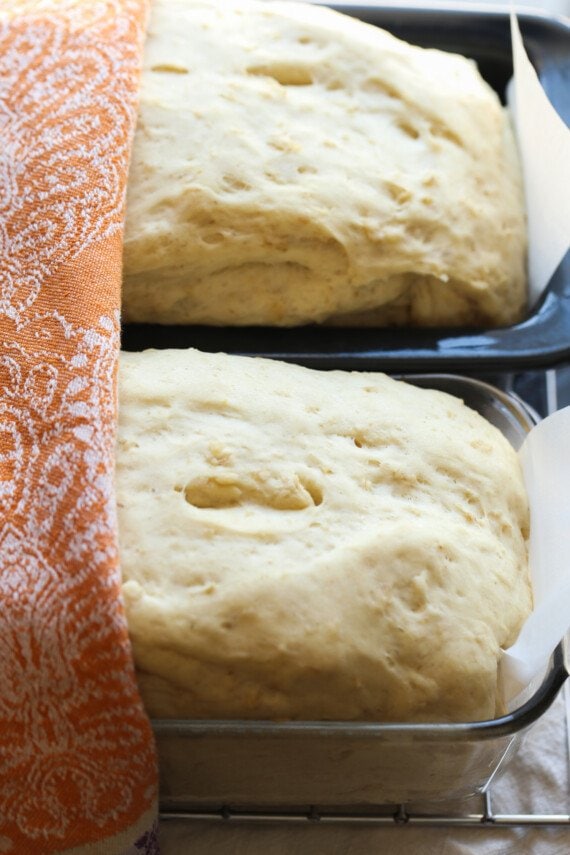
x=77, y=763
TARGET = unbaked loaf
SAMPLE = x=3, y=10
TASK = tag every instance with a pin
x=293, y=165
x=298, y=544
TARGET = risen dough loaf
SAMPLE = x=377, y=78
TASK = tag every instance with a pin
x=313, y=545
x=292, y=164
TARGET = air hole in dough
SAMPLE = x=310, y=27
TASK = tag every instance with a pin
x=287, y=74
x=408, y=129
x=166, y=68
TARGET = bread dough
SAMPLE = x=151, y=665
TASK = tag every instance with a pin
x=292, y=164
x=301, y=544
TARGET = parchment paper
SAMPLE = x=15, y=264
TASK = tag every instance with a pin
x=544, y=145
x=545, y=458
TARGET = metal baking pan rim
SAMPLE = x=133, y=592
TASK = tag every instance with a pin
x=505, y=725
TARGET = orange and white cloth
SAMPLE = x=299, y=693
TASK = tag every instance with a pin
x=77, y=763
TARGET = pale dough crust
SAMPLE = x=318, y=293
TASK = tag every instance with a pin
x=298, y=544
x=293, y=165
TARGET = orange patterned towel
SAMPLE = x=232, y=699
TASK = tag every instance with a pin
x=77, y=764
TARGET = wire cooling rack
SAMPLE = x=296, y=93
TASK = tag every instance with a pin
x=398, y=815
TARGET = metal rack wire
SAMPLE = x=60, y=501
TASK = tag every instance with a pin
x=399, y=815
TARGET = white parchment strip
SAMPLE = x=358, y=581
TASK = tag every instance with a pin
x=545, y=458
x=544, y=145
